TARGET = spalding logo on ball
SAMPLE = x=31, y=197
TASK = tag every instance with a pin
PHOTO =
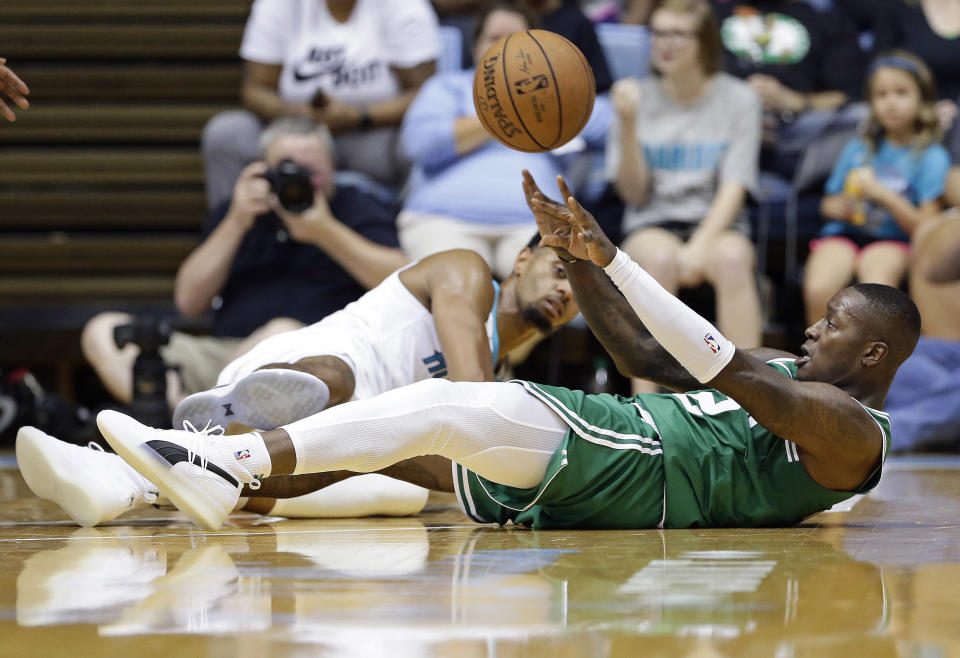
x=533, y=90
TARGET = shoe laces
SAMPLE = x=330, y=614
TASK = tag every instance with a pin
x=196, y=445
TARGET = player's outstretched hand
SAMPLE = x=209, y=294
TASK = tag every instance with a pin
x=574, y=229
x=13, y=88
x=547, y=222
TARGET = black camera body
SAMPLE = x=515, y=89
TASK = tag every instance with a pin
x=149, y=403
x=290, y=181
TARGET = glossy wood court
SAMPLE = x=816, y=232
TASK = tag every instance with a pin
x=882, y=579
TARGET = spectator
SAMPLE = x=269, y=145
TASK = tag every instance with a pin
x=354, y=65
x=461, y=14
x=798, y=60
x=683, y=154
x=929, y=30
x=924, y=399
x=883, y=186
x=13, y=88
x=463, y=192
x=565, y=18
x=262, y=268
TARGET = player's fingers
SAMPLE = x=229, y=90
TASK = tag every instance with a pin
x=7, y=112
x=562, y=184
x=14, y=95
x=11, y=77
x=551, y=209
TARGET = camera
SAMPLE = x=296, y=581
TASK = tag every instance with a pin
x=290, y=181
x=149, y=404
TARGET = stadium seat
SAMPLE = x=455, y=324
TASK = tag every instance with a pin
x=627, y=49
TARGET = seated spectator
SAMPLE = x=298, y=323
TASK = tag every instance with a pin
x=566, y=19
x=683, y=154
x=461, y=14
x=885, y=184
x=13, y=88
x=353, y=65
x=263, y=269
x=798, y=60
x=924, y=399
x=928, y=29
x=463, y=191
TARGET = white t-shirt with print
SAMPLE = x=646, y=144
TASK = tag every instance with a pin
x=349, y=61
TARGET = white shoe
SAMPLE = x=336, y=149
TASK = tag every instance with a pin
x=91, y=485
x=195, y=469
x=263, y=400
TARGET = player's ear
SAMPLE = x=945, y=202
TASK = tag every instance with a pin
x=874, y=353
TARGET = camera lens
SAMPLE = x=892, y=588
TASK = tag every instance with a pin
x=290, y=181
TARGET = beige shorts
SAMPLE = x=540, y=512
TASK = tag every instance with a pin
x=199, y=358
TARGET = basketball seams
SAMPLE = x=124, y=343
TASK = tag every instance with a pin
x=556, y=90
x=506, y=83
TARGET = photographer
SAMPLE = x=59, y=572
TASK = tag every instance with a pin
x=264, y=268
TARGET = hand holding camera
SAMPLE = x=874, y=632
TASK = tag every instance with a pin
x=251, y=195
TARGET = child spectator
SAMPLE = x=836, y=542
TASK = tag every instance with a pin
x=883, y=186
x=683, y=154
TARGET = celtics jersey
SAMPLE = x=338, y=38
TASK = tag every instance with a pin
x=724, y=469
x=714, y=464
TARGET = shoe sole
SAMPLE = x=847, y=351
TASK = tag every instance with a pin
x=50, y=480
x=263, y=400
x=183, y=491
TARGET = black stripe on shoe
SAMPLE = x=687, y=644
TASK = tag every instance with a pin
x=175, y=454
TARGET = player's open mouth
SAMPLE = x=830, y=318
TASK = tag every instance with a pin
x=804, y=359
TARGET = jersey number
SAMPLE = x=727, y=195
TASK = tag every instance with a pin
x=705, y=403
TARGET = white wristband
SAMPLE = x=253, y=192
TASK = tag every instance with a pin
x=692, y=341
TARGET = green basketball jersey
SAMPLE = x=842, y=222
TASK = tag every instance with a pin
x=716, y=465
x=723, y=469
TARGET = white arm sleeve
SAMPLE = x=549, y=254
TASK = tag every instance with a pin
x=692, y=341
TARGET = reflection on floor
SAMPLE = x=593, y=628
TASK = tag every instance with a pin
x=879, y=579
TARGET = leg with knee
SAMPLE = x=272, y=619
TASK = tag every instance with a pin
x=883, y=262
x=829, y=268
x=731, y=269
x=494, y=428
x=331, y=370
x=113, y=365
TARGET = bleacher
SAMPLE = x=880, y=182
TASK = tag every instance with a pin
x=101, y=184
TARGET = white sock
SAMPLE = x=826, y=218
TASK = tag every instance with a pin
x=250, y=452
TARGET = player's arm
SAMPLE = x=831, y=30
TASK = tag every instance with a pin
x=634, y=351
x=841, y=442
x=461, y=296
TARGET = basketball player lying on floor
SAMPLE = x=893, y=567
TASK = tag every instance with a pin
x=772, y=439
x=443, y=316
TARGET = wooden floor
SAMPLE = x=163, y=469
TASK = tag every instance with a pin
x=882, y=579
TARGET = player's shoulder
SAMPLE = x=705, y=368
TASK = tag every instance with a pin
x=456, y=269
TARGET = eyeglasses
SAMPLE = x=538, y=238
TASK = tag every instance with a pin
x=673, y=35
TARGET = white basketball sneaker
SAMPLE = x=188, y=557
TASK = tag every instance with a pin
x=91, y=485
x=196, y=469
x=264, y=400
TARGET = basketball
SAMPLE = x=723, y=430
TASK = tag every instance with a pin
x=533, y=90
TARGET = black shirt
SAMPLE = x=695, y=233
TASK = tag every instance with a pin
x=275, y=276
x=805, y=50
x=905, y=26
x=569, y=22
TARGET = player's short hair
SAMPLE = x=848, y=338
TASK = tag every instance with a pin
x=286, y=126
x=894, y=318
x=534, y=242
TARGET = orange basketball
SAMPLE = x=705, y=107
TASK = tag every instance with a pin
x=533, y=90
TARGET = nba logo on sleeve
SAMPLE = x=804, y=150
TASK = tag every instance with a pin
x=712, y=343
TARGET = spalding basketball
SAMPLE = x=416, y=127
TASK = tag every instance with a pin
x=533, y=90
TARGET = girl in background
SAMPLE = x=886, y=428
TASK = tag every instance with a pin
x=883, y=186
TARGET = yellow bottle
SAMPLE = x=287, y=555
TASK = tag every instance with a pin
x=853, y=190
